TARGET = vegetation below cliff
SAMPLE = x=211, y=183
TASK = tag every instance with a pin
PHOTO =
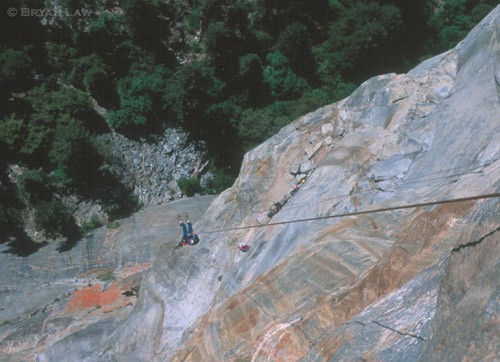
x=231, y=73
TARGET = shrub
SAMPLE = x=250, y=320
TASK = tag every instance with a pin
x=189, y=186
x=15, y=69
x=76, y=156
x=13, y=133
x=54, y=219
x=220, y=182
x=91, y=225
x=34, y=187
x=141, y=100
x=284, y=83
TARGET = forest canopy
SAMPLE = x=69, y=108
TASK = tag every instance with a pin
x=231, y=73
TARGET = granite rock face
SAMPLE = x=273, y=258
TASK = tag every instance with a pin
x=80, y=295
x=409, y=284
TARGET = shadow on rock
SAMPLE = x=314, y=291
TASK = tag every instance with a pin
x=73, y=234
x=23, y=246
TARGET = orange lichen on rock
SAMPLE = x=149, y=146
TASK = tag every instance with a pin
x=94, y=296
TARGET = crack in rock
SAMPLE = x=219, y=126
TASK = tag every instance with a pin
x=260, y=307
x=399, y=332
x=475, y=242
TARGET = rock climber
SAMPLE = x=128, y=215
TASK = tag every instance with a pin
x=188, y=237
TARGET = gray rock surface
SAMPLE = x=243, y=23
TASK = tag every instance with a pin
x=36, y=292
x=401, y=285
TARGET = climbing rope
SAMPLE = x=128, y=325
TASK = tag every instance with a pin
x=418, y=179
x=369, y=211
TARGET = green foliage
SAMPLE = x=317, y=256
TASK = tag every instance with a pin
x=263, y=123
x=149, y=28
x=15, y=69
x=191, y=92
x=455, y=18
x=251, y=78
x=98, y=83
x=295, y=44
x=479, y=12
x=75, y=155
x=284, y=83
x=106, y=33
x=89, y=72
x=91, y=225
x=122, y=202
x=334, y=4
x=13, y=133
x=189, y=186
x=54, y=219
x=193, y=20
x=231, y=73
x=51, y=216
x=53, y=108
x=60, y=56
x=105, y=275
x=361, y=31
x=223, y=46
x=141, y=100
x=256, y=125
x=114, y=225
x=11, y=223
x=220, y=181
x=34, y=187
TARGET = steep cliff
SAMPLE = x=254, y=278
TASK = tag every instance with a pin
x=410, y=284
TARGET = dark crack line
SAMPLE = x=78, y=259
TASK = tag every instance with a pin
x=357, y=322
x=260, y=307
x=399, y=332
x=311, y=341
x=475, y=242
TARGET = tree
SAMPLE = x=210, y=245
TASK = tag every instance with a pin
x=141, y=101
x=11, y=223
x=15, y=70
x=251, y=80
x=55, y=220
x=284, y=83
x=76, y=157
x=191, y=91
x=189, y=186
x=53, y=107
x=149, y=27
x=358, y=42
x=106, y=33
x=16, y=75
x=455, y=18
x=60, y=56
x=34, y=187
x=224, y=47
x=295, y=43
x=100, y=86
x=12, y=134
